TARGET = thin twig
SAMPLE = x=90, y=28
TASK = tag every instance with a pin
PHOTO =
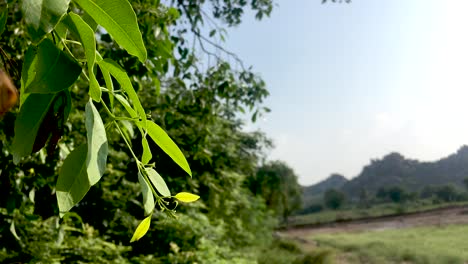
x=200, y=37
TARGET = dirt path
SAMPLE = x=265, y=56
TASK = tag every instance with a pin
x=438, y=217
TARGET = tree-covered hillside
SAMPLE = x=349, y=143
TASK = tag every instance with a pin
x=413, y=175
x=394, y=171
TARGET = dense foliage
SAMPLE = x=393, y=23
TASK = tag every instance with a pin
x=333, y=199
x=110, y=92
x=277, y=183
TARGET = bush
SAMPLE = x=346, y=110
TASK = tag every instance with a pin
x=334, y=199
x=314, y=208
x=318, y=257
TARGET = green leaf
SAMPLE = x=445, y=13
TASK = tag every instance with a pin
x=148, y=198
x=53, y=70
x=54, y=121
x=3, y=20
x=13, y=230
x=119, y=20
x=61, y=30
x=146, y=157
x=86, y=36
x=158, y=182
x=122, y=78
x=72, y=183
x=126, y=105
x=141, y=230
x=212, y=32
x=85, y=165
x=161, y=138
x=157, y=85
x=90, y=21
x=127, y=129
x=28, y=122
x=186, y=197
x=109, y=84
x=32, y=195
x=97, y=144
x=27, y=72
x=41, y=16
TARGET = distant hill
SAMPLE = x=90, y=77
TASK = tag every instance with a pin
x=395, y=170
x=314, y=192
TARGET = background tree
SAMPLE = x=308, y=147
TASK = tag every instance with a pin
x=446, y=193
x=364, y=199
x=277, y=183
x=428, y=191
x=382, y=194
x=396, y=194
x=334, y=199
x=465, y=182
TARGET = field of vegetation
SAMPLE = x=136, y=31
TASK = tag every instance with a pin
x=347, y=214
x=433, y=244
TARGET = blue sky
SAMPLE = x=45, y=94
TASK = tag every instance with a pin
x=353, y=82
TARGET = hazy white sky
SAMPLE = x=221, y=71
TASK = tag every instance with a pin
x=353, y=82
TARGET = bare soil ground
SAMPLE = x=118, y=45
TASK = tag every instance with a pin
x=436, y=217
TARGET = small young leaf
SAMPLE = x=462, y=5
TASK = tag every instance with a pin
x=119, y=19
x=158, y=182
x=54, y=70
x=41, y=16
x=13, y=230
x=141, y=230
x=72, y=183
x=86, y=36
x=163, y=140
x=148, y=198
x=212, y=32
x=97, y=144
x=146, y=157
x=186, y=197
x=3, y=19
x=32, y=195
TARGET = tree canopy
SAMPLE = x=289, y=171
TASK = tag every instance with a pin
x=277, y=183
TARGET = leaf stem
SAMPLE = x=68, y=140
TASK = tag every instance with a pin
x=126, y=142
x=108, y=111
x=66, y=48
x=73, y=42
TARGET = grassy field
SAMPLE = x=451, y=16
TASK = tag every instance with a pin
x=375, y=211
x=422, y=245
